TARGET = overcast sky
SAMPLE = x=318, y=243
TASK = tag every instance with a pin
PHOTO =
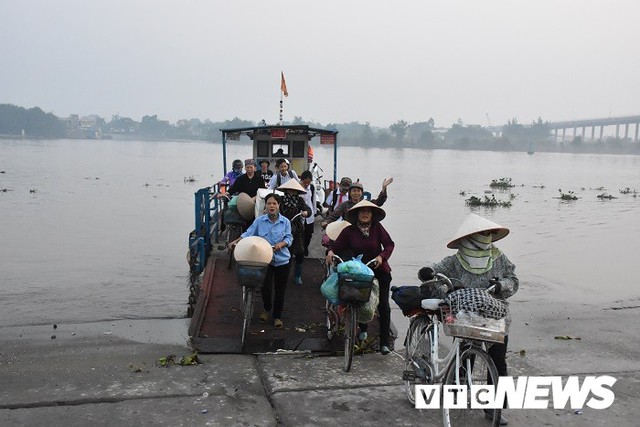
x=483, y=61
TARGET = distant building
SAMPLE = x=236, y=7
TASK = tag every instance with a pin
x=83, y=127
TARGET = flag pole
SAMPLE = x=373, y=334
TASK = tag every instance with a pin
x=283, y=91
x=280, y=108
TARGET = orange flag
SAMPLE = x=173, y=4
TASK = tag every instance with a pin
x=283, y=84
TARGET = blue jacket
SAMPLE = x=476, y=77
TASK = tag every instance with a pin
x=273, y=232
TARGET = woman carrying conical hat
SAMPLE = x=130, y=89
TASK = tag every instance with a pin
x=292, y=205
x=479, y=264
x=367, y=237
x=276, y=229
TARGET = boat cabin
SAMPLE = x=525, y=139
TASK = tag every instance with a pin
x=275, y=142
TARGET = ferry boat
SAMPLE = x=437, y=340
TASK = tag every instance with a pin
x=215, y=299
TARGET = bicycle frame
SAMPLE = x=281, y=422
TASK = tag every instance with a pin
x=440, y=365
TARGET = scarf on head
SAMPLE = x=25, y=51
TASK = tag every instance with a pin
x=364, y=227
x=476, y=253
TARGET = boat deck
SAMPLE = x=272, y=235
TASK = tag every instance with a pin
x=216, y=324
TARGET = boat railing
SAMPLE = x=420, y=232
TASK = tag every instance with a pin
x=206, y=231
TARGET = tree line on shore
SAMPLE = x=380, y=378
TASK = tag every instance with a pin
x=514, y=136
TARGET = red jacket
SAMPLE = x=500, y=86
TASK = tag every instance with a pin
x=378, y=243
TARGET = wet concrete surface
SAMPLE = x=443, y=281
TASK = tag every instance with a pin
x=107, y=374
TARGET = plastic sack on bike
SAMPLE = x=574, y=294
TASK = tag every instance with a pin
x=329, y=288
x=367, y=311
x=231, y=215
x=410, y=298
x=479, y=301
x=355, y=266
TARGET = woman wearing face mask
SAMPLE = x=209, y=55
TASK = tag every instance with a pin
x=233, y=174
x=276, y=229
x=479, y=264
x=367, y=237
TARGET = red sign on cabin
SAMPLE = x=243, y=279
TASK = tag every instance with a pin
x=278, y=133
x=327, y=139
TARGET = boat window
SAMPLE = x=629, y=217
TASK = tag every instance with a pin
x=298, y=149
x=263, y=149
x=280, y=149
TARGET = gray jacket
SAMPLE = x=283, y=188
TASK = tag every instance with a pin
x=502, y=269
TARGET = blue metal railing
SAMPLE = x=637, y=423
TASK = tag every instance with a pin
x=206, y=232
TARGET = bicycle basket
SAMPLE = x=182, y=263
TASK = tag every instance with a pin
x=251, y=276
x=474, y=314
x=354, y=288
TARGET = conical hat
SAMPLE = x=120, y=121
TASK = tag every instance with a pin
x=253, y=250
x=294, y=185
x=377, y=212
x=476, y=224
x=335, y=228
x=246, y=206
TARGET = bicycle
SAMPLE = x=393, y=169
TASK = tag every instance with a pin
x=250, y=277
x=352, y=292
x=466, y=362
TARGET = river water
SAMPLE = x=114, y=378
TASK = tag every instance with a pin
x=103, y=236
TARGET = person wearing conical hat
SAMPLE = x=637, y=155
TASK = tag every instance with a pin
x=479, y=264
x=276, y=229
x=356, y=192
x=368, y=237
x=292, y=205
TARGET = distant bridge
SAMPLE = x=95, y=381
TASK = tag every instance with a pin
x=593, y=124
x=559, y=129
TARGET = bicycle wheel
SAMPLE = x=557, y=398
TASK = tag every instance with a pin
x=417, y=347
x=247, y=296
x=476, y=368
x=350, y=329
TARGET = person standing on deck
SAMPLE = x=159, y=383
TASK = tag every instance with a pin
x=265, y=172
x=339, y=195
x=248, y=182
x=292, y=205
x=310, y=199
x=283, y=175
x=233, y=174
x=356, y=191
x=276, y=229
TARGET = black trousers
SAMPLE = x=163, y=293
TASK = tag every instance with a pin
x=308, y=234
x=275, y=282
x=384, y=310
x=498, y=353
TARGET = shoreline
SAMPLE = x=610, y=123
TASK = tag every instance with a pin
x=113, y=378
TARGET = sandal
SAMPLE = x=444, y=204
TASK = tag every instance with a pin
x=264, y=316
x=277, y=323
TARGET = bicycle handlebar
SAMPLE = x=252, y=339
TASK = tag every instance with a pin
x=491, y=289
x=367, y=264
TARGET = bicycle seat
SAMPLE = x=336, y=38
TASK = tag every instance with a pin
x=431, y=304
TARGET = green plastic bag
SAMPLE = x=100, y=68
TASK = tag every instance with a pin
x=329, y=288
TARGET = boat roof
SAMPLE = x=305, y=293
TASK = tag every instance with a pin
x=301, y=129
